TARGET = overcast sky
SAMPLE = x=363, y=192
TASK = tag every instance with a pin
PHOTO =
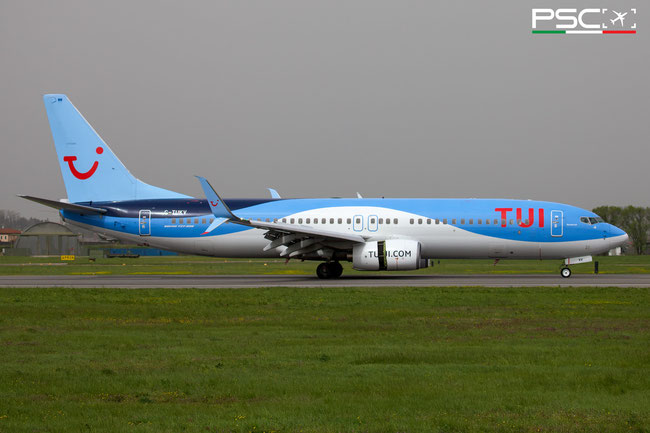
x=326, y=98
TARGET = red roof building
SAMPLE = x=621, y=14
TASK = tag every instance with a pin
x=9, y=235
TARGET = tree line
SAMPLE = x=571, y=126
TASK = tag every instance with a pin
x=634, y=220
x=10, y=219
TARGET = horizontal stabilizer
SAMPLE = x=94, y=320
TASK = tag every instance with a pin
x=65, y=206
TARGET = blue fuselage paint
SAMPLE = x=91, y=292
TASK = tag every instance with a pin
x=496, y=224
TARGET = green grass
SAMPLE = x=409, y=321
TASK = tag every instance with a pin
x=325, y=360
x=217, y=266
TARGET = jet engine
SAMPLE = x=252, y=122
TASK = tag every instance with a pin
x=388, y=255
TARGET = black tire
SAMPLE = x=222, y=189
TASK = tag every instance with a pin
x=327, y=271
x=323, y=271
x=336, y=269
x=565, y=272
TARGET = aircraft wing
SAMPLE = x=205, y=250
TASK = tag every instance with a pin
x=65, y=206
x=296, y=240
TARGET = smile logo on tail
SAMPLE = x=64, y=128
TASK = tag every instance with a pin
x=76, y=173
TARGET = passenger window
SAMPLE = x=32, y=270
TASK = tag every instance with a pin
x=284, y=220
x=173, y=220
x=203, y=221
x=526, y=222
x=315, y=220
x=453, y=221
x=395, y=220
x=211, y=220
x=512, y=222
x=299, y=220
x=428, y=220
x=462, y=220
x=496, y=221
x=487, y=222
x=437, y=221
x=323, y=220
x=267, y=220
x=411, y=221
x=503, y=222
x=444, y=221
x=308, y=220
x=479, y=221
x=292, y=220
x=419, y=220
x=331, y=220
x=471, y=221
x=275, y=220
x=381, y=220
x=340, y=220
x=387, y=220
x=349, y=220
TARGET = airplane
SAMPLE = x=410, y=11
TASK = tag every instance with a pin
x=619, y=17
x=374, y=234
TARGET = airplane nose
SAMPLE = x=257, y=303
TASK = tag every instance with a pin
x=618, y=237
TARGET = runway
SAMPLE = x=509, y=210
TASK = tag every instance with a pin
x=247, y=281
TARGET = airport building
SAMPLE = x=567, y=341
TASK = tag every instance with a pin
x=8, y=236
x=48, y=239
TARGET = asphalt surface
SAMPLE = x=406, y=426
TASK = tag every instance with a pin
x=244, y=281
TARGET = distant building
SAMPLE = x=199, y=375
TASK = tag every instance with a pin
x=8, y=235
x=49, y=239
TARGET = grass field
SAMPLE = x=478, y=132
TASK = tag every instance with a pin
x=196, y=265
x=325, y=360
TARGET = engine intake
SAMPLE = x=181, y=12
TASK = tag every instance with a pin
x=388, y=255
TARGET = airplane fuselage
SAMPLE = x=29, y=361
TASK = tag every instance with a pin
x=374, y=234
x=445, y=228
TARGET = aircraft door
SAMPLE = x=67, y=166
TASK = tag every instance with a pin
x=357, y=223
x=373, y=225
x=557, y=223
x=144, y=222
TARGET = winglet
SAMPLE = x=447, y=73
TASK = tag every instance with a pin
x=218, y=207
x=216, y=223
x=274, y=193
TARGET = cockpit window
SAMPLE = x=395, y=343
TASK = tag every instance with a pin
x=591, y=220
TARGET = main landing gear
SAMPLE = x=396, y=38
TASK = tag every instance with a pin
x=329, y=270
x=565, y=272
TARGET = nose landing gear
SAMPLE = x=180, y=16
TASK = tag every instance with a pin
x=329, y=270
x=565, y=272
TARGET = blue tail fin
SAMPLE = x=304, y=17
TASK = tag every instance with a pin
x=90, y=169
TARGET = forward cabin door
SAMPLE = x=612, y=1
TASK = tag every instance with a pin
x=145, y=222
x=557, y=223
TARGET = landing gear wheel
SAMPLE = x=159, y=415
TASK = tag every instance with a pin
x=323, y=271
x=329, y=270
x=565, y=272
x=337, y=269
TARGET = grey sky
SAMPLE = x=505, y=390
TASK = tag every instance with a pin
x=326, y=98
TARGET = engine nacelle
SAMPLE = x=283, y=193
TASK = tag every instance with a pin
x=388, y=255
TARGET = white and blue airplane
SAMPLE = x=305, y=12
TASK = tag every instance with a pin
x=375, y=234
